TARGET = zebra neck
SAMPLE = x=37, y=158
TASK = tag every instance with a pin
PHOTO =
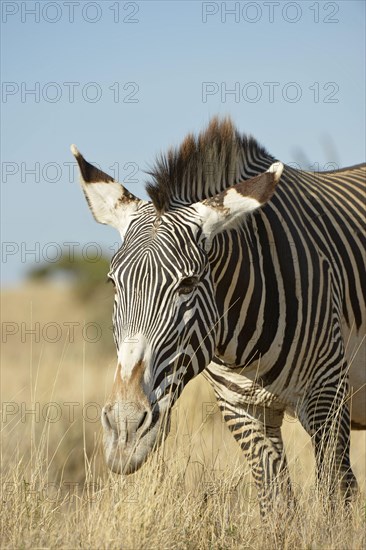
x=205, y=165
x=252, y=163
x=213, y=179
x=249, y=303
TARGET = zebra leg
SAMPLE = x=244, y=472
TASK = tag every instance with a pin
x=325, y=416
x=258, y=432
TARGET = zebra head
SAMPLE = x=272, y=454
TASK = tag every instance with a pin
x=165, y=313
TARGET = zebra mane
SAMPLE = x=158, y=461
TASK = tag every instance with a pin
x=203, y=165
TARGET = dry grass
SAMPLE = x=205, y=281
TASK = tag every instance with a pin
x=195, y=493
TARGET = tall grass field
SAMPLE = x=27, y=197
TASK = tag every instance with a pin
x=195, y=492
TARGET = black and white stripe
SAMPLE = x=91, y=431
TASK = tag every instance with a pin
x=290, y=295
x=271, y=310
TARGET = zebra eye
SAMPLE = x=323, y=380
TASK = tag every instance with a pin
x=187, y=285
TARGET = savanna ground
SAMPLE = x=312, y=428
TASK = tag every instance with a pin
x=196, y=492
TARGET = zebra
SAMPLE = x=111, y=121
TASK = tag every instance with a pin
x=251, y=272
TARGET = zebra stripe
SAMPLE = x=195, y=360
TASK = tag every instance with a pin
x=272, y=311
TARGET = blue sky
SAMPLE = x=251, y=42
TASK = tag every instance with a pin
x=125, y=80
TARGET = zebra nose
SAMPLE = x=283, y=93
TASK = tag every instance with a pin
x=126, y=421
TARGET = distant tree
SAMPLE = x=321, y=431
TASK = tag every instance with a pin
x=85, y=277
x=87, y=281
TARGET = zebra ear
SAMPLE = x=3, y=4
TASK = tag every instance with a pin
x=228, y=209
x=109, y=202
